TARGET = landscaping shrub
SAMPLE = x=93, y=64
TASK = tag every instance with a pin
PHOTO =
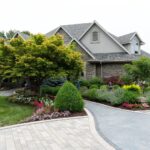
x=147, y=89
x=105, y=96
x=119, y=93
x=91, y=94
x=26, y=92
x=132, y=87
x=114, y=87
x=104, y=87
x=130, y=97
x=126, y=79
x=125, y=96
x=69, y=98
x=53, y=82
x=48, y=90
x=148, y=99
x=20, y=91
x=96, y=81
x=94, y=86
x=84, y=83
x=83, y=89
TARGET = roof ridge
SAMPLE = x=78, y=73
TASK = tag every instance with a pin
x=76, y=24
x=126, y=34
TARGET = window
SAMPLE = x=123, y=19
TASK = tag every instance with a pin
x=95, y=36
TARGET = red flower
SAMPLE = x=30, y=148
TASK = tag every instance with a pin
x=127, y=105
x=38, y=104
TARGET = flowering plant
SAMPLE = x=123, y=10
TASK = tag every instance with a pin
x=38, y=104
x=132, y=87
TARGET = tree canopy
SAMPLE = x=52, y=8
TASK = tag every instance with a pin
x=139, y=70
x=38, y=58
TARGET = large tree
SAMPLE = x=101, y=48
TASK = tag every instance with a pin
x=38, y=58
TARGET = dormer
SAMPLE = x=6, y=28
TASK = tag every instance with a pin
x=136, y=43
x=132, y=42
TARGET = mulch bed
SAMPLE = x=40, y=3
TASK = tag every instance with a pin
x=53, y=115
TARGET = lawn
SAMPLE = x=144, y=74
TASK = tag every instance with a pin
x=11, y=113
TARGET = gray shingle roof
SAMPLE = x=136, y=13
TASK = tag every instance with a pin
x=118, y=57
x=125, y=39
x=52, y=32
x=76, y=30
x=24, y=36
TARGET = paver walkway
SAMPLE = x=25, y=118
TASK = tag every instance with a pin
x=66, y=134
x=126, y=130
x=7, y=93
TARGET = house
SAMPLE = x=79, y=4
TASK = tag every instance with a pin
x=22, y=35
x=104, y=54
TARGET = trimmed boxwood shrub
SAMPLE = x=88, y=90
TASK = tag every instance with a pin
x=69, y=98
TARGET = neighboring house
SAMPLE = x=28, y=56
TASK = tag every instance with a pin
x=104, y=53
x=22, y=35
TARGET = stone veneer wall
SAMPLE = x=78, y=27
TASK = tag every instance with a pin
x=90, y=69
x=109, y=70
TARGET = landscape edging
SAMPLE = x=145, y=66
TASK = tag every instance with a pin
x=95, y=133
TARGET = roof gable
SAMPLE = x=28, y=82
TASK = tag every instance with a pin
x=84, y=48
x=107, y=33
x=22, y=35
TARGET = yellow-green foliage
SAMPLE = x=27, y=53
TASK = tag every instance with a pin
x=38, y=58
x=132, y=87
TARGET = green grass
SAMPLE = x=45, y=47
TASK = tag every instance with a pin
x=11, y=113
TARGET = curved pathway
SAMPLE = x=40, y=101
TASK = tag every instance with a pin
x=59, y=134
x=125, y=130
x=7, y=92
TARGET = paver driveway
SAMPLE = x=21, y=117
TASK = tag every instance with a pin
x=125, y=130
x=66, y=134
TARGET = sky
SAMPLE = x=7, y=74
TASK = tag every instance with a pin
x=40, y=16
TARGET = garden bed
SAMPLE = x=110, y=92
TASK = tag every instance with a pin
x=54, y=115
x=121, y=107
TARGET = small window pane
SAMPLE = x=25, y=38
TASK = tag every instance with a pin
x=95, y=36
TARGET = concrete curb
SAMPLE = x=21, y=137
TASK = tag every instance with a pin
x=95, y=133
x=43, y=121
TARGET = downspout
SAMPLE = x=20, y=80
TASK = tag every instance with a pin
x=101, y=69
